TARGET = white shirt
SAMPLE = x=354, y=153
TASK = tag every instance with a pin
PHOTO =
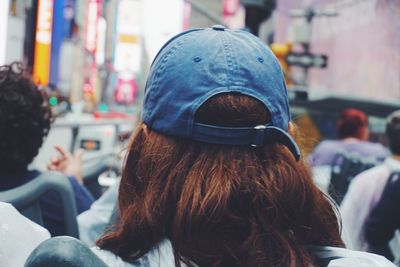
x=19, y=236
x=364, y=193
x=162, y=256
x=351, y=258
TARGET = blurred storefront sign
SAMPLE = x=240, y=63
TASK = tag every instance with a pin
x=12, y=30
x=101, y=41
x=57, y=39
x=15, y=39
x=128, y=50
x=306, y=60
x=162, y=23
x=362, y=43
x=4, y=8
x=90, y=79
x=68, y=57
x=128, y=37
x=92, y=22
x=126, y=90
x=41, y=67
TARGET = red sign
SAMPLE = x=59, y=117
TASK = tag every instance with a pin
x=92, y=22
x=126, y=91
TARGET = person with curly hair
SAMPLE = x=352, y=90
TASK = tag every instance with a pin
x=25, y=118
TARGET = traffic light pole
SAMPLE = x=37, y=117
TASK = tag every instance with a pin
x=308, y=14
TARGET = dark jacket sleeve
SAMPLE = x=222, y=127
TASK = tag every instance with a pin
x=83, y=197
x=384, y=219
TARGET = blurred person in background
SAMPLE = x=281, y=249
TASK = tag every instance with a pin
x=366, y=189
x=353, y=133
x=213, y=176
x=384, y=219
x=25, y=119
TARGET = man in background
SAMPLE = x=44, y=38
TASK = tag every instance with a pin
x=353, y=133
x=366, y=189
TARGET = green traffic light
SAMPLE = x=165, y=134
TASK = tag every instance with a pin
x=53, y=101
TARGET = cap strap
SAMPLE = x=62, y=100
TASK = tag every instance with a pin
x=255, y=136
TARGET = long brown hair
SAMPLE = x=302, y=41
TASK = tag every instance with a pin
x=220, y=205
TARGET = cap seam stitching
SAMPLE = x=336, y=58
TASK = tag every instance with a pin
x=233, y=65
x=227, y=59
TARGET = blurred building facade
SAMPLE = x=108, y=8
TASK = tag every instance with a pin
x=361, y=42
x=100, y=50
x=94, y=50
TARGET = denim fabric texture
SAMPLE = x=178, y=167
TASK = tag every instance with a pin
x=198, y=64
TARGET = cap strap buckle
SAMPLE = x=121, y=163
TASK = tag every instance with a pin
x=259, y=136
x=256, y=136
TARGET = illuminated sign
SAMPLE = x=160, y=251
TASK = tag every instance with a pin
x=126, y=91
x=128, y=49
x=4, y=6
x=41, y=67
x=93, y=8
x=172, y=17
x=92, y=22
x=101, y=41
x=89, y=144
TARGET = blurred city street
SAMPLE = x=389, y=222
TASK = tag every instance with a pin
x=339, y=64
x=92, y=58
x=95, y=54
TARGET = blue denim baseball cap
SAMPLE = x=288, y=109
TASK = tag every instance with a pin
x=198, y=64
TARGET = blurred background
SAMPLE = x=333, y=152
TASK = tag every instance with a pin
x=92, y=56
